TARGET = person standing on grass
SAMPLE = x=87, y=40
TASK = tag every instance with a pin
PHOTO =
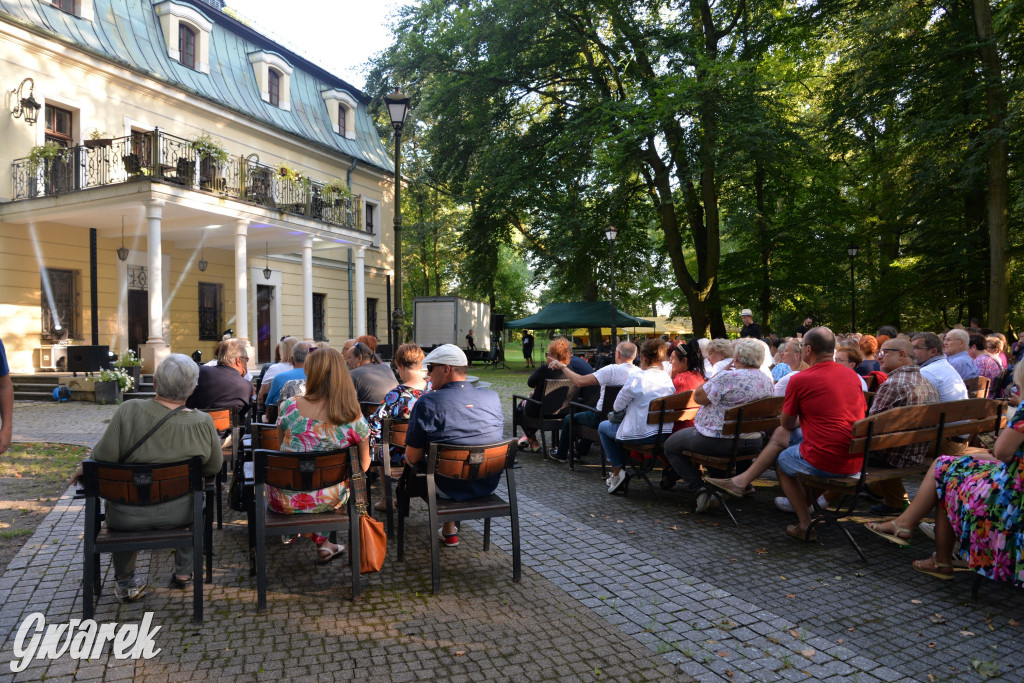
x=528, y=348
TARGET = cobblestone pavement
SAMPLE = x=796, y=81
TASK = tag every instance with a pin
x=619, y=588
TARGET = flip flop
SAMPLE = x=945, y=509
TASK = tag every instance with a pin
x=794, y=531
x=892, y=538
x=919, y=565
x=330, y=557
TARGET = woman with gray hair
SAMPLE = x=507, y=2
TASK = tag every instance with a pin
x=743, y=383
x=185, y=434
x=720, y=354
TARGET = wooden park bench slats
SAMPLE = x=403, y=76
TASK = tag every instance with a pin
x=931, y=423
x=661, y=412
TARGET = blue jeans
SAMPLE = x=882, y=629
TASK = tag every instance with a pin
x=616, y=450
x=791, y=463
x=587, y=419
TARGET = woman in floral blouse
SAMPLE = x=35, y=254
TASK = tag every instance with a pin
x=397, y=405
x=326, y=418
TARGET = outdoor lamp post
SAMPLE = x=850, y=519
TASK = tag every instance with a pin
x=852, y=251
x=398, y=109
x=611, y=233
x=25, y=105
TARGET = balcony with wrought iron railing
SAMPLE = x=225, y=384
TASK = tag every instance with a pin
x=155, y=155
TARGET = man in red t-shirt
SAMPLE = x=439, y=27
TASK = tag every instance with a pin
x=824, y=401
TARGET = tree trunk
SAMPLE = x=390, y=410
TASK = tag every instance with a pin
x=761, y=222
x=998, y=181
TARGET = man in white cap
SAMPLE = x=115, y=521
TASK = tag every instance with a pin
x=750, y=328
x=455, y=413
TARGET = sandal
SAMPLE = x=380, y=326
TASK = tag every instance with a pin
x=897, y=537
x=794, y=531
x=181, y=584
x=919, y=565
x=330, y=556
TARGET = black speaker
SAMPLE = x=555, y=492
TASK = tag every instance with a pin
x=88, y=358
x=497, y=322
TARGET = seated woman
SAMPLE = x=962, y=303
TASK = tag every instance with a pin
x=725, y=390
x=326, y=418
x=559, y=350
x=635, y=399
x=187, y=433
x=687, y=367
x=719, y=353
x=868, y=348
x=398, y=405
x=978, y=506
x=850, y=357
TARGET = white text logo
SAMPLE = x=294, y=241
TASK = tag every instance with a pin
x=80, y=639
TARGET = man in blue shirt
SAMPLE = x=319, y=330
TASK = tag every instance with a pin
x=6, y=402
x=954, y=345
x=454, y=413
x=299, y=353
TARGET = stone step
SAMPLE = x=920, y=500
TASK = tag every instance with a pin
x=138, y=394
x=33, y=395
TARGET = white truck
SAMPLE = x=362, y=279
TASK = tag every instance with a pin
x=448, y=319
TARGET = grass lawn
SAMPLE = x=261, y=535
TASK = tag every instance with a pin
x=32, y=478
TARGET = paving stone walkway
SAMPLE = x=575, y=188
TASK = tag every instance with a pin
x=613, y=588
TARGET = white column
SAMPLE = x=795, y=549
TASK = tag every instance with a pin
x=241, y=281
x=154, y=216
x=360, y=298
x=307, y=287
x=156, y=348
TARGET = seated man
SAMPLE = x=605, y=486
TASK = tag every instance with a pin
x=223, y=385
x=610, y=375
x=372, y=378
x=904, y=387
x=955, y=347
x=454, y=413
x=824, y=401
x=299, y=353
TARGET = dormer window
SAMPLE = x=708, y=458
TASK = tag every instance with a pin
x=66, y=5
x=341, y=108
x=273, y=76
x=187, y=32
x=274, y=87
x=79, y=8
x=187, y=45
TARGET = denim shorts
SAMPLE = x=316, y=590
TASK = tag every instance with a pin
x=792, y=463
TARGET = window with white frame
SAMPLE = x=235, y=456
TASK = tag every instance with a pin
x=341, y=107
x=273, y=77
x=78, y=8
x=187, y=33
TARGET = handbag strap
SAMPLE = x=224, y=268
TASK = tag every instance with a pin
x=127, y=454
x=358, y=480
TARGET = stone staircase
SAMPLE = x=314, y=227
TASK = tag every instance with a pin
x=143, y=390
x=34, y=387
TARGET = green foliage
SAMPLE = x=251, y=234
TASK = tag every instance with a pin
x=208, y=148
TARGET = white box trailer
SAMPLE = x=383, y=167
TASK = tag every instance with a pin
x=448, y=319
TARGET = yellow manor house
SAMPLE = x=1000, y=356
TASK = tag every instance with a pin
x=168, y=174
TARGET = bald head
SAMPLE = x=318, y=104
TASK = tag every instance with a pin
x=895, y=353
x=626, y=351
x=821, y=341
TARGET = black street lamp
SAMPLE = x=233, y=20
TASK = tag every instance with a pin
x=398, y=109
x=611, y=233
x=852, y=251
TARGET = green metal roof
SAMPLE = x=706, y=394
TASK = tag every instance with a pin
x=128, y=32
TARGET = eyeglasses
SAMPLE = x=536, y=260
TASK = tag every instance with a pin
x=431, y=366
x=920, y=348
x=244, y=358
x=882, y=352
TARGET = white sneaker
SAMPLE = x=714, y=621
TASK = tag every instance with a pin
x=928, y=529
x=705, y=502
x=615, y=481
x=783, y=504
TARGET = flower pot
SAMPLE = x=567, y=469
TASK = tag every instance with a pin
x=107, y=392
x=134, y=372
x=97, y=143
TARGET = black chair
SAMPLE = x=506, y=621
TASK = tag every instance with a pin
x=140, y=485
x=466, y=463
x=392, y=433
x=578, y=431
x=551, y=408
x=308, y=471
x=226, y=420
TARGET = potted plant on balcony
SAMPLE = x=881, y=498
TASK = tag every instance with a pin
x=336, y=193
x=131, y=364
x=211, y=156
x=45, y=154
x=98, y=139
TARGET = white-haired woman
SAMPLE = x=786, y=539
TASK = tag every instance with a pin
x=745, y=382
x=187, y=433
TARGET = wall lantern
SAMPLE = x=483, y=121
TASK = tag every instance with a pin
x=25, y=105
x=122, y=251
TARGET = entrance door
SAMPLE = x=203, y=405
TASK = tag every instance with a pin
x=264, y=344
x=138, y=319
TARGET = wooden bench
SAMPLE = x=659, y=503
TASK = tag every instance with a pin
x=578, y=431
x=761, y=415
x=661, y=412
x=931, y=424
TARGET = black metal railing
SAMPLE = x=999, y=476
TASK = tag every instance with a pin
x=159, y=156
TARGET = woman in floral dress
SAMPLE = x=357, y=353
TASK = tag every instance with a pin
x=398, y=405
x=979, y=505
x=326, y=418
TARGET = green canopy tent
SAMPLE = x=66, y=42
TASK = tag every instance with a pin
x=576, y=314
